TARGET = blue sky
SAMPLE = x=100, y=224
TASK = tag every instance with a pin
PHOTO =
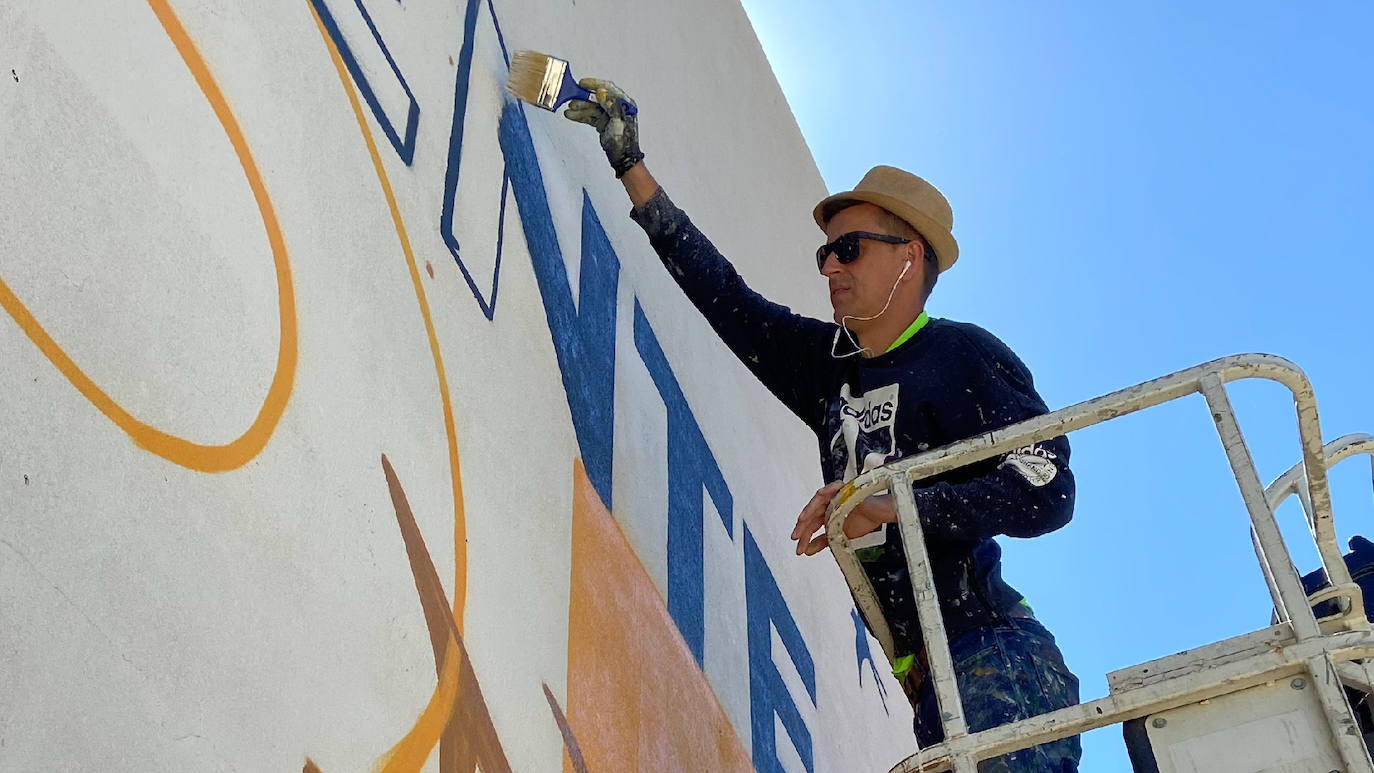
x=1136, y=190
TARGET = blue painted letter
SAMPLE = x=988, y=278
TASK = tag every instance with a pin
x=768, y=695
x=583, y=336
x=690, y=467
x=405, y=148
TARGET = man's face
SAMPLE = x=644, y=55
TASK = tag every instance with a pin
x=861, y=288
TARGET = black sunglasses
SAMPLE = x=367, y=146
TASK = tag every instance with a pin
x=846, y=248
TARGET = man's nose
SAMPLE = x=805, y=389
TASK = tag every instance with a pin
x=831, y=266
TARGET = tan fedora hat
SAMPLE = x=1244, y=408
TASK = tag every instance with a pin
x=906, y=196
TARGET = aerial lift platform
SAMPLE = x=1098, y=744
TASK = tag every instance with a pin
x=1270, y=701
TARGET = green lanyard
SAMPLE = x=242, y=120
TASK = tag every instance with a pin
x=915, y=327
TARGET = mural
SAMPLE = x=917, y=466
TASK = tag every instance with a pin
x=616, y=592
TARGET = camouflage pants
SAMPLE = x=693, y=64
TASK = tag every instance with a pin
x=1007, y=673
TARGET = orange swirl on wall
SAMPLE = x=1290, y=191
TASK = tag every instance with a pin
x=195, y=456
x=410, y=753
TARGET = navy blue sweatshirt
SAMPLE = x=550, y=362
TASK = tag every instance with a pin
x=949, y=381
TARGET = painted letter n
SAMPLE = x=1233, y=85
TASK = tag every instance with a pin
x=583, y=335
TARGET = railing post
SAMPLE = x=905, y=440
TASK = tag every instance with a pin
x=860, y=588
x=1266, y=529
x=1345, y=732
x=928, y=609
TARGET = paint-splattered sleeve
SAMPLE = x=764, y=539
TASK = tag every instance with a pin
x=1025, y=493
x=789, y=353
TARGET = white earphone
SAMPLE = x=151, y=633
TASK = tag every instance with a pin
x=850, y=336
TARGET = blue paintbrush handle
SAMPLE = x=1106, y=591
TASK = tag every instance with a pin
x=571, y=90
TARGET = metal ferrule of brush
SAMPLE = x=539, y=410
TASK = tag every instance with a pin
x=552, y=86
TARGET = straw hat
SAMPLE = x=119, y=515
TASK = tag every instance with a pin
x=906, y=196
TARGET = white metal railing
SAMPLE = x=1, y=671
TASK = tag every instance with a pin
x=1308, y=651
x=1351, y=605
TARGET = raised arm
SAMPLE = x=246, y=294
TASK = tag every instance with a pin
x=789, y=353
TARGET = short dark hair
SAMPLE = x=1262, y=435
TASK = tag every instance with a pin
x=899, y=227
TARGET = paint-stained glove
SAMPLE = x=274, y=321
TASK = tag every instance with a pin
x=619, y=132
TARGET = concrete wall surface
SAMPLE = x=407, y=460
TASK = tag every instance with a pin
x=348, y=423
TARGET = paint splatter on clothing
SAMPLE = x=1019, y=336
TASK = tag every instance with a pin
x=949, y=381
x=1007, y=673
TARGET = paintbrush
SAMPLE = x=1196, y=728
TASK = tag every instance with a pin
x=545, y=81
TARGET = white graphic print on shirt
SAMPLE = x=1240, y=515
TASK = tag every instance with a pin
x=1035, y=463
x=866, y=429
x=866, y=432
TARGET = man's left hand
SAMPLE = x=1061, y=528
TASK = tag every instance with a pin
x=871, y=514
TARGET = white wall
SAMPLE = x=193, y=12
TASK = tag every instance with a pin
x=228, y=294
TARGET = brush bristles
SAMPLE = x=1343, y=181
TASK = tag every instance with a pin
x=536, y=78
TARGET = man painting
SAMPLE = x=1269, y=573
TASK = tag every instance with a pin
x=882, y=381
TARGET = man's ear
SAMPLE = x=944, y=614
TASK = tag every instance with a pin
x=915, y=251
x=913, y=256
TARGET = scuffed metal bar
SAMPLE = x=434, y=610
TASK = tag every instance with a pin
x=1345, y=731
x=1278, y=663
x=860, y=587
x=1262, y=522
x=859, y=584
x=928, y=611
x=1131, y=400
x=1358, y=675
x=1085, y=414
x=1279, y=606
x=1294, y=481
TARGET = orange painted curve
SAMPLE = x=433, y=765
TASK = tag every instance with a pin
x=189, y=454
x=410, y=753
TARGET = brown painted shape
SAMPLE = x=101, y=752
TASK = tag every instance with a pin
x=636, y=697
x=310, y=766
x=573, y=760
x=469, y=738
